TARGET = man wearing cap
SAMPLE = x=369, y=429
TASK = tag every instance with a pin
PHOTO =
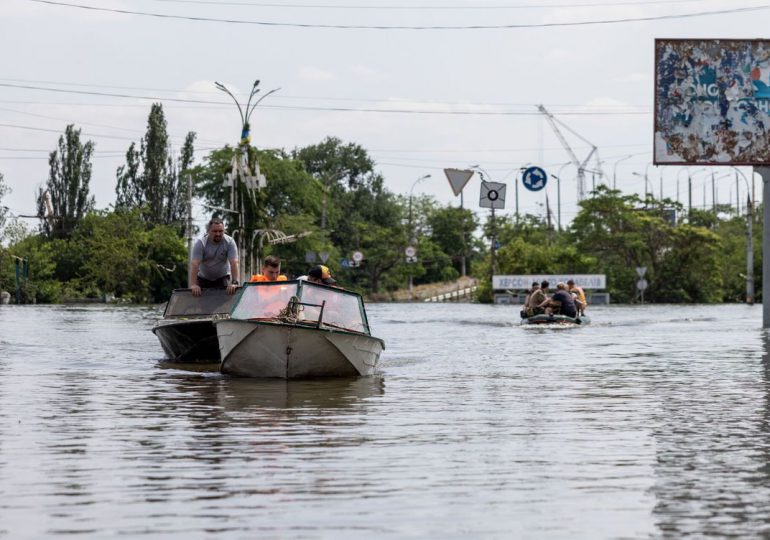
x=321, y=274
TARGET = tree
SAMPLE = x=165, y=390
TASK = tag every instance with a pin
x=66, y=198
x=452, y=228
x=151, y=180
x=338, y=167
x=624, y=232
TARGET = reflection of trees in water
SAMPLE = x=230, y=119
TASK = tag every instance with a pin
x=215, y=437
x=712, y=468
x=216, y=405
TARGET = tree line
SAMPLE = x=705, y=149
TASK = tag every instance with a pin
x=329, y=198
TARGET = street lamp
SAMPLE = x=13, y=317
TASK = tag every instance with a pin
x=615, y=170
x=640, y=175
x=411, y=229
x=558, y=194
x=516, y=188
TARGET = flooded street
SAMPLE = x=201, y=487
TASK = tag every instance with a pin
x=653, y=421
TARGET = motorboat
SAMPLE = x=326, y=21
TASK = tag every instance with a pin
x=295, y=330
x=186, y=332
x=550, y=319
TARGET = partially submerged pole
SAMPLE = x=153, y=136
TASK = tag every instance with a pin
x=764, y=172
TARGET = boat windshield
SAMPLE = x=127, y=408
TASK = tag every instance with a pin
x=265, y=300
x=343, y=309
x=183, y=304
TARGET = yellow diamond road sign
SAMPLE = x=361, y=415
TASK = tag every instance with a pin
x=457, y=179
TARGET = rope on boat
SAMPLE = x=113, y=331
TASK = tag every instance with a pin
x=290, y=313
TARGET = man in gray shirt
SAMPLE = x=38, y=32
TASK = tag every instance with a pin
x=214, y=260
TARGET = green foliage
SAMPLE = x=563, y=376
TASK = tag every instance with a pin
x=68, y=185
x=624, y=232
x=151, y=180
x=451, y=229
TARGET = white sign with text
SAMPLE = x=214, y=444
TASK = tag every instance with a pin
x=586, y=281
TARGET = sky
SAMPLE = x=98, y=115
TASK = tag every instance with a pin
x=422, y=85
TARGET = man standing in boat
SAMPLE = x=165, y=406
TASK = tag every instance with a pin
x=214, y=260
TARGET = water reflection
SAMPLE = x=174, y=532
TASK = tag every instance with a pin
x=712, y=467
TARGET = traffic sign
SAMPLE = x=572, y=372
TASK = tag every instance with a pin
x=492, y=195
x=534, y=178
x=410, y=251
x=344, y=263
x=358, y=256
x=323, y=255
x=411, y=260
x=457, y=179
x=641, y=284
x=310, y=256
x=641, y=270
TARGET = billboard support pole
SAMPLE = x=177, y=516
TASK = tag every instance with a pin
x=764, y=172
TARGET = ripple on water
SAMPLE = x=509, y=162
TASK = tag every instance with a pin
x=650, y=422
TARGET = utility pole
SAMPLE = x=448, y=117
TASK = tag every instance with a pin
x=189, y=221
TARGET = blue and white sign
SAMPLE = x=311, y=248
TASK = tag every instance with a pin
x=534, y=179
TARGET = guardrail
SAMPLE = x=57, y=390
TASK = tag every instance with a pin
x=454, y=296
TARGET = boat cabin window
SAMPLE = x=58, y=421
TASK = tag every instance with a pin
x=342, y=310
x=264, y=300
x=183, y=304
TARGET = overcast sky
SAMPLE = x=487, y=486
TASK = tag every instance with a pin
x=421, y=84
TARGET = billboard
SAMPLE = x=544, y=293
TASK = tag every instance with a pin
x=712, y=102
x=521, y=281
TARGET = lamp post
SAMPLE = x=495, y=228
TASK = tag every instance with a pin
x=412, y=238
x=615, y=170
x=558, y=194
x=640, y=175
x=516, y=188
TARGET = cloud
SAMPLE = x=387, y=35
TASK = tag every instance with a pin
x=310, y=73
x=368, y=74
x=634, y=78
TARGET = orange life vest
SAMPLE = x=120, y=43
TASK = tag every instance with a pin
x=261, y=277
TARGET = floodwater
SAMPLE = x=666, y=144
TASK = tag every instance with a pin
x=652, y=422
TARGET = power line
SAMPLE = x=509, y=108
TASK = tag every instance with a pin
x=415, y=27
x=334, y=109
x=278, y=97
x=427, y=7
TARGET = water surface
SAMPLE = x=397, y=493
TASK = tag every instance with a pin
x=652, y=422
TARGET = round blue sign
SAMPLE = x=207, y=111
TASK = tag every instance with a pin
x=534, y=178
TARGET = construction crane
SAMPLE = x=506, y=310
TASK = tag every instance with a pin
x=581, y=166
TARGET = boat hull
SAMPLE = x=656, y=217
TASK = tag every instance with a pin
x=556, y=320
x=188, y=340
x=292, y=351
